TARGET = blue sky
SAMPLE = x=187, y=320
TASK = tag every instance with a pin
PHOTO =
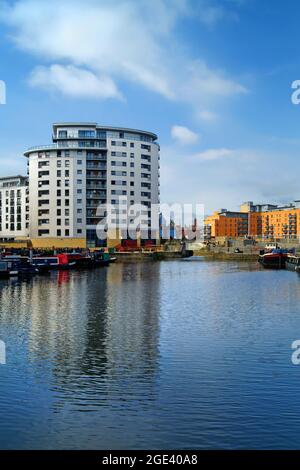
x=211, y=77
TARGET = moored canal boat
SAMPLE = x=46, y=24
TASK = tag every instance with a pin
x=16, y=267
x=101, y=259
x=275, y=259
x=60, y=262
x=293, y=263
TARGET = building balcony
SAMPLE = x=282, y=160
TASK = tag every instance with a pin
x=95, y=178
x=99, y=158
x=67, y=145
x=96, y=196
x=96, y=186
x=96, y=166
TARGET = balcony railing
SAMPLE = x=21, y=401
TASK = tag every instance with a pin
x=69, y=145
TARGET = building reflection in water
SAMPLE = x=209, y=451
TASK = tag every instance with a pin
x=94, y=334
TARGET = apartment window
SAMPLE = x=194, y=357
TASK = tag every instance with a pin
x=43, y=173
x=132, y=174
x=146, y=167
x=113, y=142
x=67, y=162
x=67, y=212
x=79, y=162
x=79, y=191
x=146, y=147
x=58, y=212
x=79, y=201
x=67, y=173
x=67, y=222
x=62, y=134
x=79, y=221
x=43, y=183
x=67, y=183
x=43, y=232
x=131, y=183
x=131, y=144
x=131, y=164
x=79, y=172
x=58, y=193
x=58, y=163
x=67, y=202
x=43, y=193
x=79, y=181
x=67, y=233
x=58, y=183
x=132, y=155
x=79, y=211
x=58, y=202
x=84, y=134
x=58, y=233
x=58, y=222
x=67, y=192
x=79, y=231
x=43, y=164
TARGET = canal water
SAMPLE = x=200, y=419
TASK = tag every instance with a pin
x=178, y=354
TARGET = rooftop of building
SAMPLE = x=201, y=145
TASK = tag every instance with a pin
x=71, y=142
x=103, y=128
x=7, y=178
x=7, y=182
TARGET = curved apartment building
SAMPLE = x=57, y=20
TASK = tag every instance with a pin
x=88, y=165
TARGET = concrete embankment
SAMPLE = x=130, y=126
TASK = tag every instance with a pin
x=164, y=256
x=223, y=256
x=146, y=256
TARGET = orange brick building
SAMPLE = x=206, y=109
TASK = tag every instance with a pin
x=260, y=221
x=226, y=224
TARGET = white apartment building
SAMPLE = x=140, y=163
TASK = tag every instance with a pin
x=88, y=165
x=14, y=210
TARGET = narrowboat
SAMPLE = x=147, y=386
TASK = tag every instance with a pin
x=60, y=261
x=16, y=267
x=6, y=269
x=293, y=263
x=101, y=258
x=81, y=262
x=275, y=259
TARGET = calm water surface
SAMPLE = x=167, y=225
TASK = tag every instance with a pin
x=181, y=354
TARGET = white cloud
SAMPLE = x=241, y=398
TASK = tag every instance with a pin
x=213, y=154
x=183, y=135
x=207, y=116
x=73, y=81
x=232, y=183
x=204, y=83
x=124, y=40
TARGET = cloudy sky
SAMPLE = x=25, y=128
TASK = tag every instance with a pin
x=211, y=77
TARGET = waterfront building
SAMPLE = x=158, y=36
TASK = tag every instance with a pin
x=85, y=166
x=265, y=221
x=14, y=209
x=281, y=222
x=225, y=223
